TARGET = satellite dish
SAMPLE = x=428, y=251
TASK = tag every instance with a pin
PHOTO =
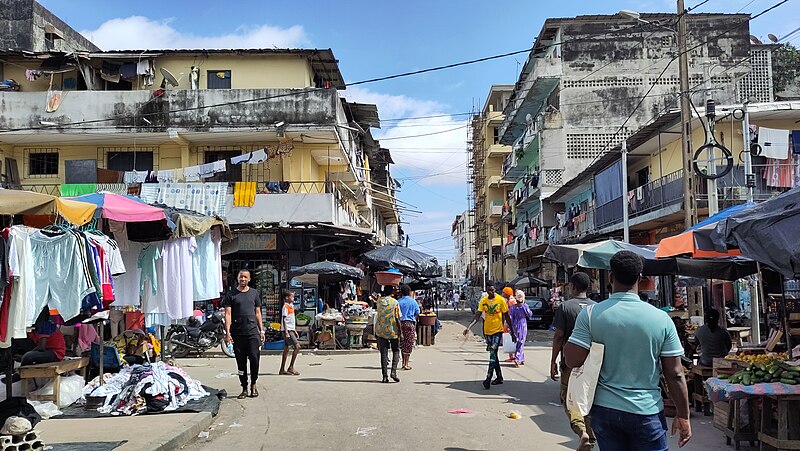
x=755, y=40
x=772, y=38
x=168, y=78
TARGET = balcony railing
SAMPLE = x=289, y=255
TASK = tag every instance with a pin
x=770, y=180
x=658, y=194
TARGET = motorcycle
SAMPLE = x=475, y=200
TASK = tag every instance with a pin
x=183, y=339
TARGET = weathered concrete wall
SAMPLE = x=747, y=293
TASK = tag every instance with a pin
x=22, y=27
x=16, y=24
x=181, y=110
x=72, y=40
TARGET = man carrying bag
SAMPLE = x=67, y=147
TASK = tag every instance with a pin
x=627, y=411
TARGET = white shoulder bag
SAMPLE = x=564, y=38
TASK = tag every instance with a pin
x=583, y=380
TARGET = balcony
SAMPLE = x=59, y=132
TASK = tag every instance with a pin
x=499, y=150
x=178, y=110
x=650, y=201
x=495, y=210
x=293, y=203
x=770, y=180
x=530, y=94
x=517, y=163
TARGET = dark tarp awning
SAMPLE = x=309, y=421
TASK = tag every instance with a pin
x=408, y=261
x=523, y=282
x=767, y=233
x=729, y=268
x=325, y=272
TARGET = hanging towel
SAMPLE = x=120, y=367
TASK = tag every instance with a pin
x=209, y=169
x=134, y=177
x=192, y=173
x=77, y=189
x=204, y=198
x=259, y=156
x=113, y=188
x=774, y=143
x=241, y=158
x=166, y=175
x=244, y=194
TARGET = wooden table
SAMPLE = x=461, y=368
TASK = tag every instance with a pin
x=738, y=333
x=54, y=370
x=785, y=434
x=699, y=374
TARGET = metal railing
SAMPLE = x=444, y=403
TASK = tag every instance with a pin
x=658, y=194
x=770, y=180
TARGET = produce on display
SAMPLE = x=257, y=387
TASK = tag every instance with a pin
x=765, y=373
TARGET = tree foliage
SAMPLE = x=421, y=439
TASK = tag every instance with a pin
x=785, y=66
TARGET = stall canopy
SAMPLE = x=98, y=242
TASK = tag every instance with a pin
x=696, y=242
x=523, y=282
x=408, y=261
x=17, y=202
x=599, y=256
x=767, y=233
x=567, y=254
x=727, y=268
x=122, y=208
x=325, y=272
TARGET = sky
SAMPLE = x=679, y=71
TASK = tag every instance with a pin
x=378, y=38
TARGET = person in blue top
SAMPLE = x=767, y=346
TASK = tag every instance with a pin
x=409, y=314
x=640, y=342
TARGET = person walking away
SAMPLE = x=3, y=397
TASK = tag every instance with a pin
x=496, y=310
x=628, y=412
x=564, y=322
x=456, y=299
x=290, y=338
x=714, y=341
x=409, y=317
x=508, y=295
x=389, y=331
x=243, y=326
x=519, y=313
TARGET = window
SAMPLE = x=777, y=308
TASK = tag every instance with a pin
x=496, y=134
x=42, y=162
x=219, y=79
x=233, y=172
x=128, y=161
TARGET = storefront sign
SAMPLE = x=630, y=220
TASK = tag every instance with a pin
x=258, y=242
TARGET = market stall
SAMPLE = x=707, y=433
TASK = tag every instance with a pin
x=757, y=398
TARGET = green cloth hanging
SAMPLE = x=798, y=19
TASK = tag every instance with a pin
x=78, y=189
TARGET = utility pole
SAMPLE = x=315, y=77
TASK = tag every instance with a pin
x=689, y=211
x=750, y=178
x=489, y=234
x=626, y=233
x=711, y=184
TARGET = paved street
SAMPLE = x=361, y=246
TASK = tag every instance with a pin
x=338, y=403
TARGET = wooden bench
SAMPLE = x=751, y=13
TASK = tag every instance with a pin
x=52, y=370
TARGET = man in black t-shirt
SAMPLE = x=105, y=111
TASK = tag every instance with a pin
x=564, y=323
x=243, y=326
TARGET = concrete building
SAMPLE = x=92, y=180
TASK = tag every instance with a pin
x=591, y=81
x=463, y=233
x=28, y=26
x=325, y=190
x=488, y=189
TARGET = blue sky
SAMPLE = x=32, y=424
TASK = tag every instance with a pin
x=377, y=38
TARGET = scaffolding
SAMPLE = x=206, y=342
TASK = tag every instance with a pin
x=476, y=177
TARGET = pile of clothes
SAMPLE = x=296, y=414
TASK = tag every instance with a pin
x=148, y=388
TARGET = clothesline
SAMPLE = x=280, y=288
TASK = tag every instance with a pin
x=197, y=172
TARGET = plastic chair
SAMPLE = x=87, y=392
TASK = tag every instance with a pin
x=111, y=361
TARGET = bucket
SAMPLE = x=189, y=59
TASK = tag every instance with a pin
x=388, y=278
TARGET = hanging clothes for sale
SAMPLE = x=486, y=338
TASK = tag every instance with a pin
x=176, y=259
x=206, y=276
x=154, y=300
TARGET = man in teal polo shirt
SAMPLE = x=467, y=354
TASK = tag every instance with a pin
x=640, y=341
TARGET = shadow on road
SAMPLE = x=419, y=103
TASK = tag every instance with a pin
x=352, y=381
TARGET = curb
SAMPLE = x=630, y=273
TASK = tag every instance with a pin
x=176, y=439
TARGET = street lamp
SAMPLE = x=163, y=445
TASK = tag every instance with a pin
x=690, y=216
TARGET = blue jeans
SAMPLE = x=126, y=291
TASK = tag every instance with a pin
x=616, y=430
x=492, y=345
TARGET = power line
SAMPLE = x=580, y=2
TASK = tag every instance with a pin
x=424, y=134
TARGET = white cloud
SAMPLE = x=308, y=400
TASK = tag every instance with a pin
x=139, y=32
x=433, y=146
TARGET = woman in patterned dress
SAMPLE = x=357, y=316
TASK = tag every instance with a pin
x=519, y=313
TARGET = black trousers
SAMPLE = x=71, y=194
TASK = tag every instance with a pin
x=247, y=347
x=30, y=356
x=383, y=347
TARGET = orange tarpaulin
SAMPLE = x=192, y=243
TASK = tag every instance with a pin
x=687, y=243
x=18, y=202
